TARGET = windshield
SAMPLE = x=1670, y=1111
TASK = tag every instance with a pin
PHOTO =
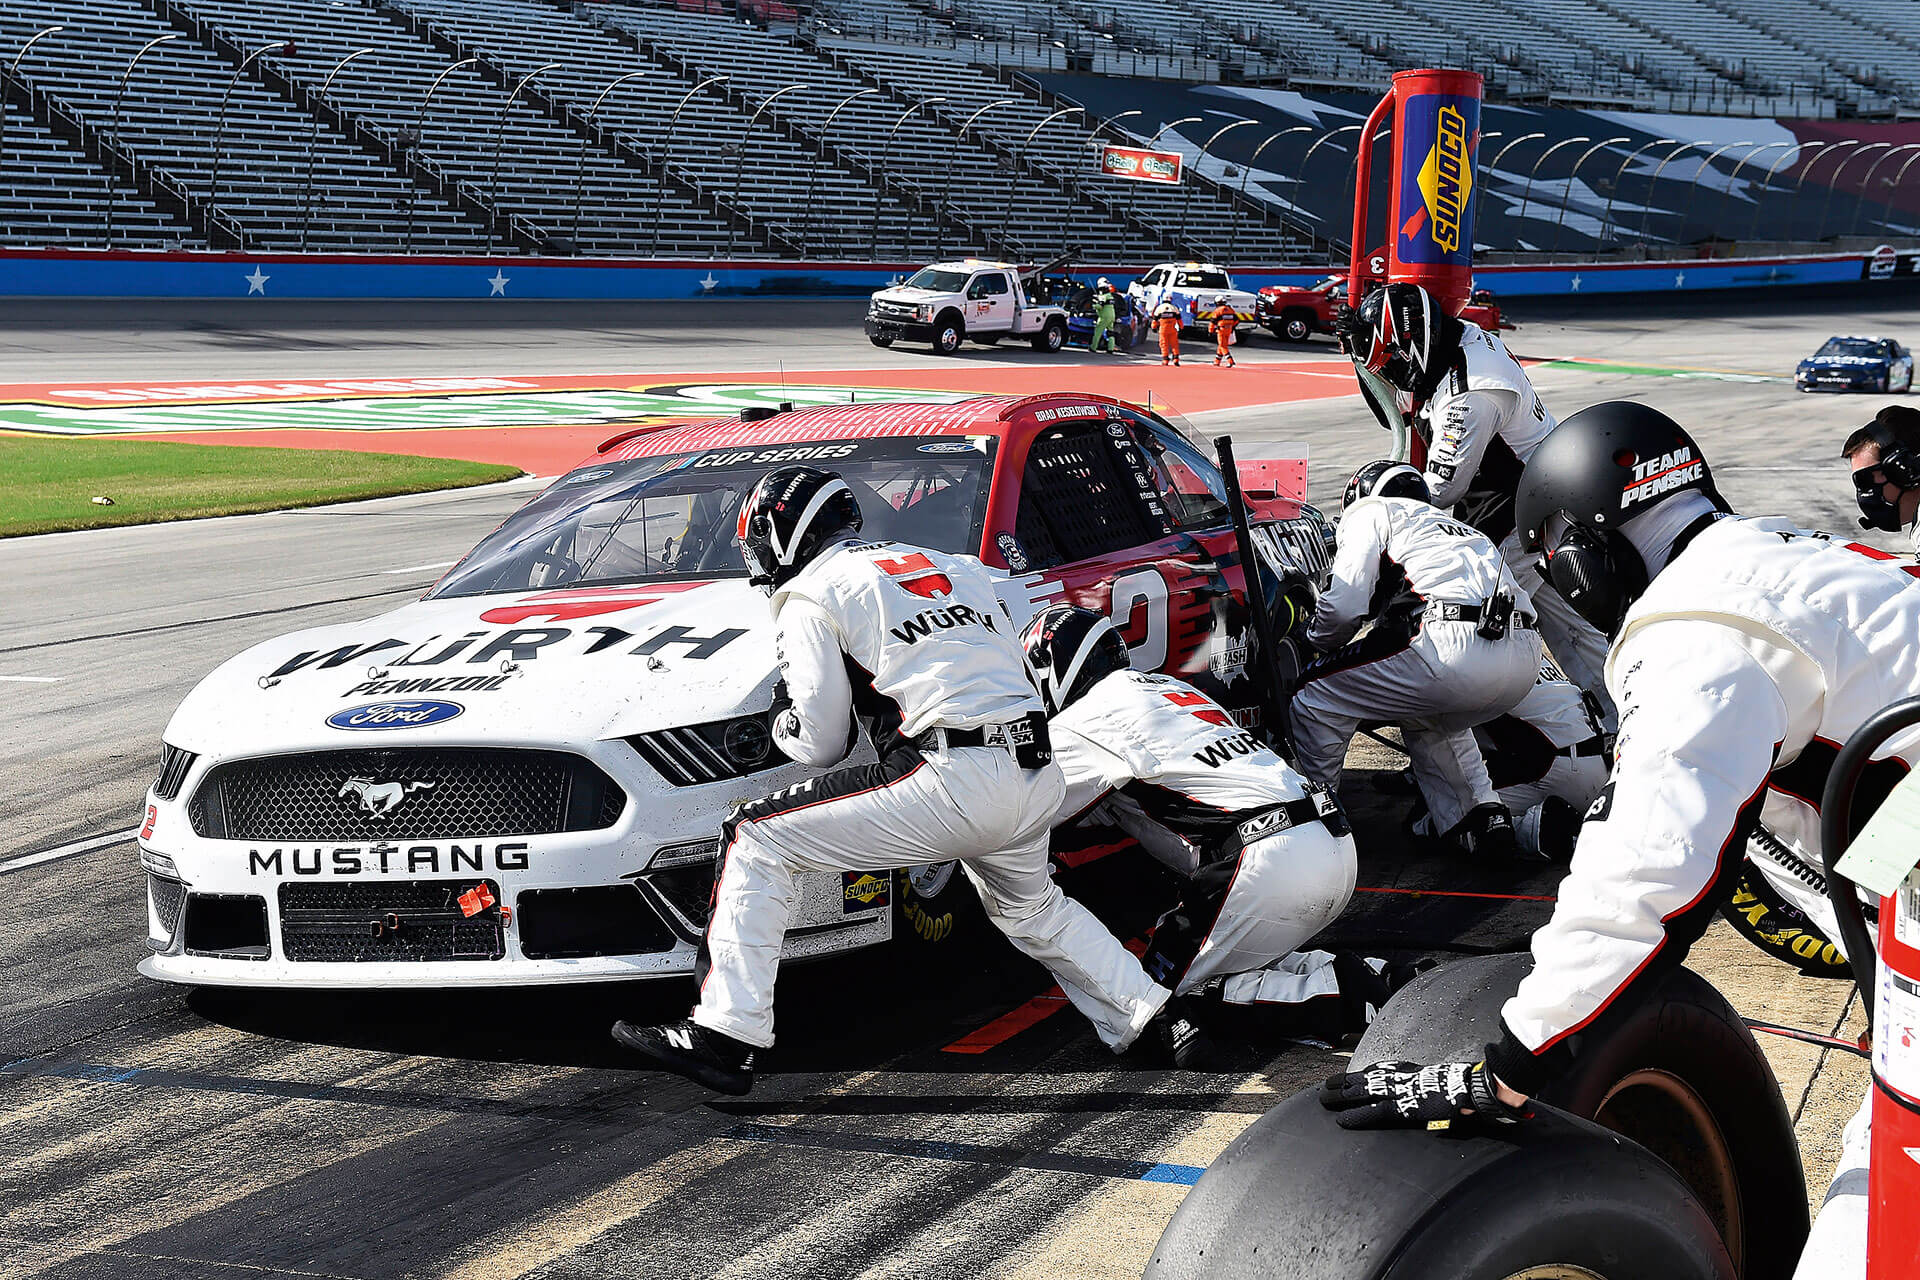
x=1204, y=280
x=673, y=517
x=1849, y=347
x=934, y=280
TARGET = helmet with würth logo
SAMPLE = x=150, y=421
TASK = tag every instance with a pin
x=790, y=515
x=1069, y=650
x=1402, y=335
x=1387, y=479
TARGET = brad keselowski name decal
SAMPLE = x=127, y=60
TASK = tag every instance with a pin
x=1656, y=476
x=521, y=644
x=385, y=859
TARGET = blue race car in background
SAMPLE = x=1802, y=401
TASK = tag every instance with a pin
x=1129, y=322
x=1856, y=364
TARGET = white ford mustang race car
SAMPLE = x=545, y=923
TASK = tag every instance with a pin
x=521, y=777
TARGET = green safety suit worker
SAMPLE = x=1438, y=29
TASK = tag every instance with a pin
x=1105, y=301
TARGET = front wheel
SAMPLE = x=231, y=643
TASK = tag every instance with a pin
x=879, y=341
x=1051, y=338
x=947, y=336
x=1296, y=328
x=938, y=908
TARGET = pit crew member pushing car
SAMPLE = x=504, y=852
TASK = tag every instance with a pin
x=1267, y=856
x=1548, y=760
x=1167, y=317
x=1106, y=304
x=1885, y=458
x=916, y=644
x=1482, y=420
x=1744, y=649
x=1453, y=645
x=1221, y=322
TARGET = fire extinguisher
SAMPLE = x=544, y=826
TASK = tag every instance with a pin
x=1436, y=131
x=1890, y=992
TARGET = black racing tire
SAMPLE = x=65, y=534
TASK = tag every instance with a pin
x=1554, y=1198
x=939, y=914
x=879, y=341
x=1051, y=338
x=1886, y=380
x=1677, y=1072
x=1763, y=917
x=1294, y=326
x=949, y=331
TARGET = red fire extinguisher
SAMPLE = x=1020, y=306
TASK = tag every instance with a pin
x=1890, y=991
x=1436, y=131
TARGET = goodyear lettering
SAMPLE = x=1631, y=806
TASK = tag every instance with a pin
x=1446, y=178
x=1215, y=754
x=385, y=859
x=927, y=621
x=1656, y=476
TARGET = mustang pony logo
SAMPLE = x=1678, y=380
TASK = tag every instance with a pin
x=378, y=799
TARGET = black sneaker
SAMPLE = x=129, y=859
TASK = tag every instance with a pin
x=1364, y=989
x=687, y=1049
x=1180, y=1037
x=1559, y=829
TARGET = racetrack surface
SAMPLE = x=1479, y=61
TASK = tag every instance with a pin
x=148, y=1132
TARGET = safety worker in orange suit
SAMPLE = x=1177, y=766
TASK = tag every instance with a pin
x=1167, y=317
x=1221, y=322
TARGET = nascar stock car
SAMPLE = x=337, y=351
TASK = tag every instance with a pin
x=1856, y=364
x=1195, y=288
x=520, y=777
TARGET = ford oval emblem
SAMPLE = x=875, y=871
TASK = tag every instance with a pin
x=395, y=715
x=948, y=446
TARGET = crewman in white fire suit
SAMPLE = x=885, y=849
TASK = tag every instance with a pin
x=1746, y=650
x=1267, y=856
x=1482, y=420
x=1548, y=760
x=917, y=644
x=1452, y=645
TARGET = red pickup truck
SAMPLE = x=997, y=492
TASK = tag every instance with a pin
x=1294, y=315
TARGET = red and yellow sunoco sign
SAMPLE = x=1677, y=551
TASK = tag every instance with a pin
x=1436, y=129
x=1138, y=165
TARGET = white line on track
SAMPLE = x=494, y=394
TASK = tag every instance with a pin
x=415, y=568
x=33, y=679
x=91, y=845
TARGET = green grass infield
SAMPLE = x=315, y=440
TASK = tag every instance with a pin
x=48, y=485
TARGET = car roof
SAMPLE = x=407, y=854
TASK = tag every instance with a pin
x=996, y=415
x=1856, y=337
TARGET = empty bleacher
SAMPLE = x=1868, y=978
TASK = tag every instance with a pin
x=53, y=195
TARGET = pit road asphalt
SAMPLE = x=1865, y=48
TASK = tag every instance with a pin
x=148, y=1132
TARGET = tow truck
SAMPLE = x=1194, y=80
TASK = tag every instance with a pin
x=970, y=300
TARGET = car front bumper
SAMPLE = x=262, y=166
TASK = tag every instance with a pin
x=894, y=330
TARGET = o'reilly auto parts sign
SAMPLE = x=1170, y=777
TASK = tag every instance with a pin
x=1137, y=165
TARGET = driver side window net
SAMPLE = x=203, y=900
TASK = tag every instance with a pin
x=1080, y=499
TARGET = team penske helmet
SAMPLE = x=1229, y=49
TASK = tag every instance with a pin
x=790, y=515
x=1404, y=336
x=1594, y=472
x=1387, y=479
x=1069, y=650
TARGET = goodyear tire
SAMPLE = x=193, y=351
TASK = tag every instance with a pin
x=1556, y=1198
x=937, y=908
x=1051, y=338
x=1679, y=1073
x=1763, y=917
x=948, y=333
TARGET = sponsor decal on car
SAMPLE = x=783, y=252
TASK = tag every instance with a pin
x=395, y=715
x=426, y=684
x=1012, y=552
x=947, y=446
x=863, y=891
x=521, y=644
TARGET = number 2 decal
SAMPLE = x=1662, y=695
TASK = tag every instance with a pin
x=1202, y=708
x=1131, y=591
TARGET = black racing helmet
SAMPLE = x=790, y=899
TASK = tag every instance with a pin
x=1595, y=471
x=1069, y=650
x=1387, y=479
x=1403, y=335
x=790, y=515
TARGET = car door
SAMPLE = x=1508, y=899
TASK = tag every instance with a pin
x=989, y=302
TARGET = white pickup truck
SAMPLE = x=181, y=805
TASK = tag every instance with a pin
x=951, y=302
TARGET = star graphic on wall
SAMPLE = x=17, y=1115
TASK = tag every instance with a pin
x=257, y=282
x=1679, y=279
x=499, y=282
x=709, y=282
x=1574, y=284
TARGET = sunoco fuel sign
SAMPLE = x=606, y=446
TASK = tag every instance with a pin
x=1435, y=214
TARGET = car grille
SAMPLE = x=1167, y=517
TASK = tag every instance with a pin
x=893, y=311
x=418, y=794
x=174, y=764
x=365, y=921
x=590, y=920
x=712, y=752
x=168, y=897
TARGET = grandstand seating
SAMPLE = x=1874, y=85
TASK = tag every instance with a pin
x=170, y=121
x=1890, y=58
x=53, y=195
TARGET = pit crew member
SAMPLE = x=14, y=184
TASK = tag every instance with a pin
x=1548, y=760
x=1482, y=420
x=916, y=644
x=1167, y=317
x=1106, y=304
x=1885, y=458
x=1221, y=322
x=1452, y=645
x=1267, y=856
x=1744, y=648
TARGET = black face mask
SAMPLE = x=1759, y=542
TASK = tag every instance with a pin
x=1875, y=511
x=1600, y=574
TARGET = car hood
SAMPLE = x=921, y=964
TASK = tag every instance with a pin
x=1844, y=362
x=530, y=668
x=900, y=293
